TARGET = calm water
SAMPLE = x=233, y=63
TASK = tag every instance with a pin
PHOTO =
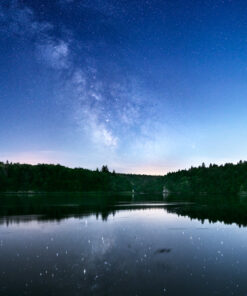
x=116, y=245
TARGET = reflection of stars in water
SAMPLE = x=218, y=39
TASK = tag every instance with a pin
x=149, y=249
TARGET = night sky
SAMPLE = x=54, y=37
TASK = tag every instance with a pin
x=142, y=86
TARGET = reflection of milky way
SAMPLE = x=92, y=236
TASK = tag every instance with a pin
x=134, y=252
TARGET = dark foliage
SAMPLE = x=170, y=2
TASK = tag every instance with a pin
x=226, y=179
x=57, y=178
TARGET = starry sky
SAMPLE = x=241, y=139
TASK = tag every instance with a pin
x=142, y=86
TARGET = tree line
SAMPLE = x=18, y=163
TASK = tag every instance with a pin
x=16, y=177
x=223, y=179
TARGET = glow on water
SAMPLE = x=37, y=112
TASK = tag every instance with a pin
x=122, y=251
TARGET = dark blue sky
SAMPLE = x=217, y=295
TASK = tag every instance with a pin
x=143, y=86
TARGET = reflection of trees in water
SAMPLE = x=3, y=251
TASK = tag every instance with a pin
x=226, y=209
x=16, y=209
x=214, y=209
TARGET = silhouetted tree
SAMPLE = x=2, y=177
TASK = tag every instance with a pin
x=104, y=169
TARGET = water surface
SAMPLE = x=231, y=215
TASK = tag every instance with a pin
x=120, y=245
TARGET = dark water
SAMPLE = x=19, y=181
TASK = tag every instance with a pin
x=119, y=245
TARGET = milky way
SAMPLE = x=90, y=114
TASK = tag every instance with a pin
x=143, y=87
